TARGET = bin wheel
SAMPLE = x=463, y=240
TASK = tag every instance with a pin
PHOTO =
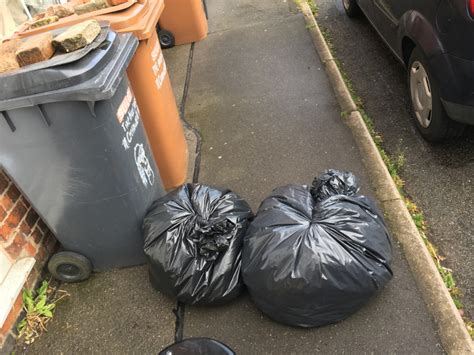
x=166, y=39
x=68, y=266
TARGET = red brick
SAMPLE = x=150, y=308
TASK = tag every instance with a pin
x=16, y=215
x=5, y=232
x=31, y=218
x=20, y=209
x=4, y=182
x=42, y=226
x=25, y=201
x=13, y=315
x=15, y=247
x=6, y=202
x=25, y=228
x=42, y=253
x=32, y=277
x=3, y=213
x=13, y=193
x=37, y=235
x=50, y=242
x=40, y=264
x=30, y=249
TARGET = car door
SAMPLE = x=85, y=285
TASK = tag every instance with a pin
x=386, y=17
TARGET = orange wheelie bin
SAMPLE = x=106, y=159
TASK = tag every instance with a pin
x=149, y=80
x=182, y=21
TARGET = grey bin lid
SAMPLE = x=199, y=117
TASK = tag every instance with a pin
x=93, y=77
x=35, y=78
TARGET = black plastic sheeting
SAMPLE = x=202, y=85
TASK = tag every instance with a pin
x=314, y=256
x=197, y=346
x=193, y=242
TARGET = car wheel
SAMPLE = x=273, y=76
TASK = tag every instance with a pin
x=70, y=267
x=430, y=117
x=351, y=8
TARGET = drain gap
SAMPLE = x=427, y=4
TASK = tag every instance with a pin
x=182, y=110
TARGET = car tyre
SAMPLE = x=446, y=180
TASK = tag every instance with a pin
x=351, y=8
x=69, y=267
x=430, y=116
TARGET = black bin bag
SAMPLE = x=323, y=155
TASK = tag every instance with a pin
x=193, y=243
x=314, y=256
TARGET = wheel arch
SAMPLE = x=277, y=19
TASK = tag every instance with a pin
x=416, y=31
x=408, y=45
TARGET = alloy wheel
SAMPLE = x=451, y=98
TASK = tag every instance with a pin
x=420, y=90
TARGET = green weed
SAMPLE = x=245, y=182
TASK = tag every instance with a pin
x=470, y=328
x=314, y=7
x=39, y=309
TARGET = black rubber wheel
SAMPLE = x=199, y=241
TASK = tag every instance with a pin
x=351, y=8
x=166, y=39
x=430, y=117
x=195, y=346
x=68, y=266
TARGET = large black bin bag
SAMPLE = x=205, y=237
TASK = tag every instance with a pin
x=314, y=256
x=193, y=242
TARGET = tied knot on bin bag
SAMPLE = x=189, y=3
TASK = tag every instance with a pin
x=334, y=182
x=315, y=255
x=193, y=244
x=212, y=238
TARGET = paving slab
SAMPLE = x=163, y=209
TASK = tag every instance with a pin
x=176, y=60
x=224, y=15
x=265, y=109
x=115, y=312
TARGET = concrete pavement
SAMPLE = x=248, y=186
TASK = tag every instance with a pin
x=265, y=109
x=277, y=123
x=115, y=312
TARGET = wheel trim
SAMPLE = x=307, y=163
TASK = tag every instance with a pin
x=421, y=97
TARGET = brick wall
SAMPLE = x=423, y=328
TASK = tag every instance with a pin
x=22, y=234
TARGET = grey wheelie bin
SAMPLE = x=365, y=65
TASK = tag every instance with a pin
x=72, y=139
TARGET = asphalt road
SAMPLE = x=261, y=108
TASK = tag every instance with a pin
x=439, y=178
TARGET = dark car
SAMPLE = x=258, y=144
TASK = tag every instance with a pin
x=434, y=39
